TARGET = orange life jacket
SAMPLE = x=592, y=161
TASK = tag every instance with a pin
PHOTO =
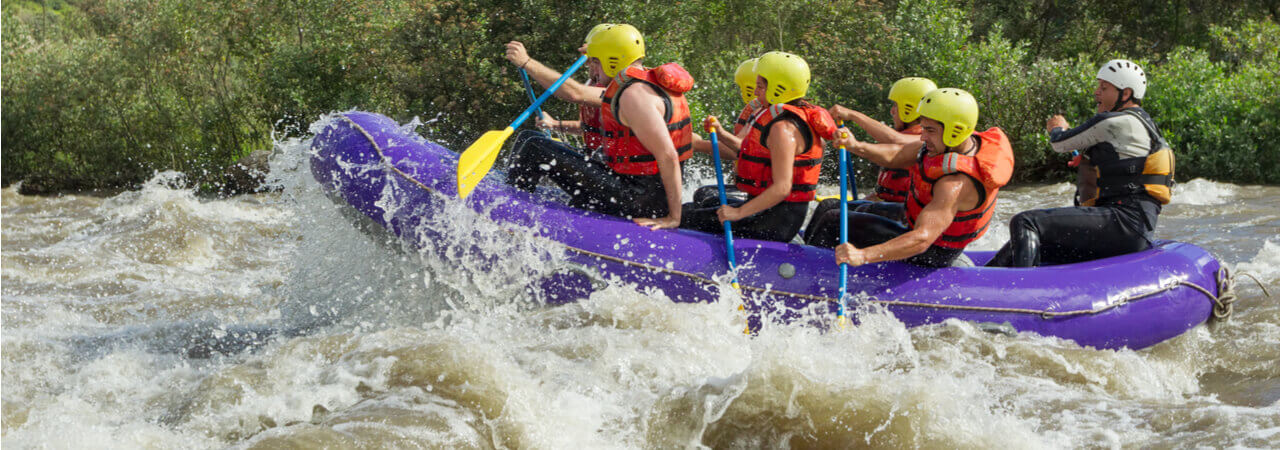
x=755, y=168
x=892, y=184
x=990, y=166
x=589, y=121
x=623, y=151
x=744, y=117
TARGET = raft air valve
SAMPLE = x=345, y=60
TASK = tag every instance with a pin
x=787, y=270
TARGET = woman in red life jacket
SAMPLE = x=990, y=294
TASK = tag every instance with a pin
x=645, y=124
x=745, y=79
x=779, y=160
x=956, y=177
x=891, y=184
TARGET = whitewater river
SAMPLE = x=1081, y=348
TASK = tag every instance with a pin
x=159, y=319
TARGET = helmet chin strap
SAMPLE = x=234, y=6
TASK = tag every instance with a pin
x=1120, y=100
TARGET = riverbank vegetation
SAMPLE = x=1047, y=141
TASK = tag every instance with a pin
x=102, y=93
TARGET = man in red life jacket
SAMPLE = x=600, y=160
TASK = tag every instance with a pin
x=891, y=184
x=779, y=160
x=588, y=124
x=955, y=178
x=646, y=126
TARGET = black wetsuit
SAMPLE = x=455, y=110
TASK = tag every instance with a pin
x=779, y=223
x=866, y=230
x=896, y=212
x=1116, y=225
x=590, y=183
x=1045, y=237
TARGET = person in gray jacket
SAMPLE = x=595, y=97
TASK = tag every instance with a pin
x=1125, y=175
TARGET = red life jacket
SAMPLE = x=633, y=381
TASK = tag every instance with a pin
x=892, y=184
x=744, y=117
x=990, y=166
x=623, y=151
x=755, y=168
x=589, y=121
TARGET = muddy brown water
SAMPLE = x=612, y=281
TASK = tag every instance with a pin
x=339, y=340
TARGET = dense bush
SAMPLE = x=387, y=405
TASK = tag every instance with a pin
x=102, y=93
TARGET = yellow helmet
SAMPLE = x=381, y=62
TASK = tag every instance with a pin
x=616, y=46
x=956, y=109
x=787, y=74
x=745, y=76
x=906, y=93
x=595, y=30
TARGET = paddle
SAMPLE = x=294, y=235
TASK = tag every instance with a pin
x=724, y=201
x=528, y=87
x=853, y=185
x=477, y=160
x=728, y=228
x=841, y=319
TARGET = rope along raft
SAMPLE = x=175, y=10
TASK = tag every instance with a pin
x=1223, y=303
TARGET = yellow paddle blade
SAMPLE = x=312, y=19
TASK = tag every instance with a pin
x=843, y=322
x=829, y=197
x=478, y=159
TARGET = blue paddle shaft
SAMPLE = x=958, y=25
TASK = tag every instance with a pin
x=844, y=218
x=853, y=182
x=547, y=94
x=528, y=87
x=724, y=201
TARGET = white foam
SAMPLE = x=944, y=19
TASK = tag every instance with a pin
x=1265, y=265
x=1202, y=192
x=416, y=349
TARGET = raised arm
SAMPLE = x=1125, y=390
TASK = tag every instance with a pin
x=893, y=156
x=882, y=133
x=1089, y=133
x=571, y=91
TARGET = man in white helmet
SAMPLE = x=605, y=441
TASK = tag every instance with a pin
x=1126, y=174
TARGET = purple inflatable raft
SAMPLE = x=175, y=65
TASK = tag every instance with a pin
x=1131, y=301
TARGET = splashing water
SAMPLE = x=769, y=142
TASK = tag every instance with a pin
x=158, y=318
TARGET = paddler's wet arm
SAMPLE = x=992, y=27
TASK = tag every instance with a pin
x=893, y=156
x=571, y=91
x=702, y=145
x=882, y=133
x=642, y=111
x=568, y=126
x=932, y=221
x=729, y=145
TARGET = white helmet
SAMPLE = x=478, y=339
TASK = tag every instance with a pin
x=1124, y=74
